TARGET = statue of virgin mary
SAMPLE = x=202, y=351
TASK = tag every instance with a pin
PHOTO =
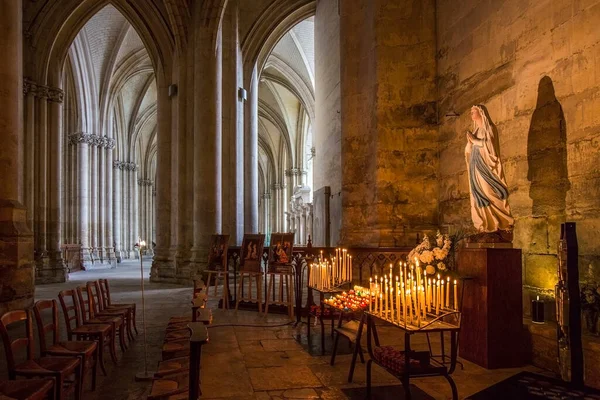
x=489, y=194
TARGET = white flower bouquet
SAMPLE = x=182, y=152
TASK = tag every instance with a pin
x=433, y=257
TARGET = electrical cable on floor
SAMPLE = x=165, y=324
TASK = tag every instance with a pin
x=250, y=326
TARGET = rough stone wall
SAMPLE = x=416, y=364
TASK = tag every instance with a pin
x=389, y=121
x=327, y=132
x=534, y=65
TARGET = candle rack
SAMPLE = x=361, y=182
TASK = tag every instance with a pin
x=328, y=274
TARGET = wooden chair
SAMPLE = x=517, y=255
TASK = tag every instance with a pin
x=100, y=309
x=104, y=334
x=66, y=371
x=218, y=266
x=86, y=351
x=105, y=292
x=88, y=315
x=185, y=384
x=27, y=389
x=250, y=268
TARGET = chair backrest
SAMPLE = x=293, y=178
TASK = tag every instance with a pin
x=11, y=346
x=70, y=312
x=104, y=292
x=95, y=294
x=86, y=303
x=38, y=309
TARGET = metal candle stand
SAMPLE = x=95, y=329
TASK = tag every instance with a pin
x=143, y=375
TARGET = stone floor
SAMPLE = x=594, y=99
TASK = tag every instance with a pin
x=241, y=361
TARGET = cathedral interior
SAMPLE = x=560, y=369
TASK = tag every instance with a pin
x=242, y=176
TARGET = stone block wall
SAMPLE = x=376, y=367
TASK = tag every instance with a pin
x=535, y=66
x=389, y=121
x=327, y=131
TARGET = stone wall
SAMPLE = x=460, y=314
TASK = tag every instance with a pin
x=389, y=122
x=534, y=65
x=327, y=132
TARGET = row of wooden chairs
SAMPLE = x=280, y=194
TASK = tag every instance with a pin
x=178, y=374
x=90, y=317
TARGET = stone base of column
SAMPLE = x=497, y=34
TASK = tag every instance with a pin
x=110, y=257
x=163, y=268
x=16, y=255
x=51, y=269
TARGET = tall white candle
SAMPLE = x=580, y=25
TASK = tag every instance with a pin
x=455, y=296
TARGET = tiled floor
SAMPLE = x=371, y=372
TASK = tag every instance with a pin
x=243, y=362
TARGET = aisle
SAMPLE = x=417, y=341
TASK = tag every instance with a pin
x=240, y=362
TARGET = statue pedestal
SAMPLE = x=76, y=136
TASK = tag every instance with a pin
x=492, y=333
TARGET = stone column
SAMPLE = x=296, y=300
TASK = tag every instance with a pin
x=41, y=179
x=389, y=121
x=93, y=190
x=101, y=201
x=30, y=89
x=117, y=205
x=57, y=271
x=251, y=156
x=82, y=141
x=163, y=258
x=207, y=144
x=266, y=198
x=109, y=238
x=16, y=239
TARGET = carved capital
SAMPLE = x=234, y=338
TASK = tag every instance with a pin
x=145, y=182
x=81, y=137
x=266, y=195
x=42, y=92
x=125, y=166
x=55, y=94
x=29, y=87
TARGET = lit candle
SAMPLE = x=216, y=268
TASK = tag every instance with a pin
x=443, y=304
x=404, y=306
x=455, y=296
x=448, y=293
x=429, y=296
x=380, y=303
x=437, y=303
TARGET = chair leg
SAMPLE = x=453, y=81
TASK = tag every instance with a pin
x=239, y=292
x=369, y=378
x=259, y=296
x=113, y=346
x=122, y=336
x=134, y=321
x=334, y=352
x=269, y=282
x=101, y=354
x=94, y=369
x=353, y=363
x=452, y=386
x=129, y=325
x=291, y=296
x=226, y=292
x=79, y=381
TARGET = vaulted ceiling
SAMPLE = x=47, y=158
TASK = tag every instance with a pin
x=115, y=86
x=286, y=104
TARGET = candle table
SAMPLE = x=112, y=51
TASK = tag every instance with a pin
x=408, y=364
x=320, y=314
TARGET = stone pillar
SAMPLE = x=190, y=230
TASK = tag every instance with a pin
x=109, y=234
x=266, y=198
x=29, y=150
x=101, y=202
x=389, y=121
x=207, y=144
x=117, y=206
x=57, y=270
x=251, y=156
x=41, y=179
x=163, y=259
x=82, y=141
x=16, y=239
x=93, y=190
